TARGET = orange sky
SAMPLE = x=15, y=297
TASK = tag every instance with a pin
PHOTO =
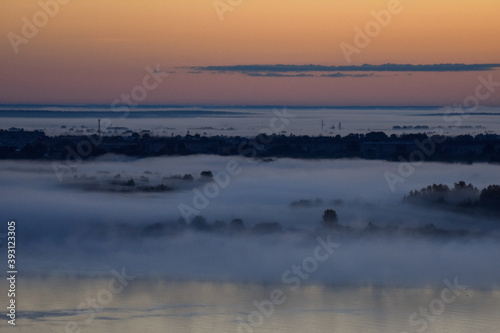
x=93, y=51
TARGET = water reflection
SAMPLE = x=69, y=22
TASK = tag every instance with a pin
x=147, y=305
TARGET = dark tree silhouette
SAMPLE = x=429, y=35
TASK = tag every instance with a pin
x=460, y=194
x=207, y=175
x=237, y=224
x=199, y=223
x=490, y=197
x=330, y=218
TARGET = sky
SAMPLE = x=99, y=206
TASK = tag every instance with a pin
x=95, y=52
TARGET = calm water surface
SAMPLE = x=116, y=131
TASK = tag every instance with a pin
x=145, y=305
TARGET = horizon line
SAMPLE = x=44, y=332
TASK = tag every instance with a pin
x=357, y=106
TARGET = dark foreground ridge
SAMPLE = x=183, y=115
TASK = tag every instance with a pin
x=20, y=144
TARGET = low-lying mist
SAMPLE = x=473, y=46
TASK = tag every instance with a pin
x=66, y=228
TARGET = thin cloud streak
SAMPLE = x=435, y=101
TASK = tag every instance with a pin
x=257, y=70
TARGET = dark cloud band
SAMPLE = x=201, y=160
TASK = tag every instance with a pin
x=280, y=70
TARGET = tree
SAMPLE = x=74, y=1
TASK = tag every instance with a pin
x=207, y=175
x=237, y=224
x=330, y=218
x=199, y=223
x=187, y=177
x=490, y=197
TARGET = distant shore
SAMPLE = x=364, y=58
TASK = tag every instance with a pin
x=18, y=143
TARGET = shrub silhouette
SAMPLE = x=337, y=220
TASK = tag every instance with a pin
x=330, y=218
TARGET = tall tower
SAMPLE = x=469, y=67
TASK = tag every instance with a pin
x=99, y=127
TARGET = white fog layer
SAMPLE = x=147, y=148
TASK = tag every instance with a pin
x=69, y=228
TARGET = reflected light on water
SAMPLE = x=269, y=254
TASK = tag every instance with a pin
x=150, y=305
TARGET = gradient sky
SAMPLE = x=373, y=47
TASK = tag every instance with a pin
x=94, y=51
